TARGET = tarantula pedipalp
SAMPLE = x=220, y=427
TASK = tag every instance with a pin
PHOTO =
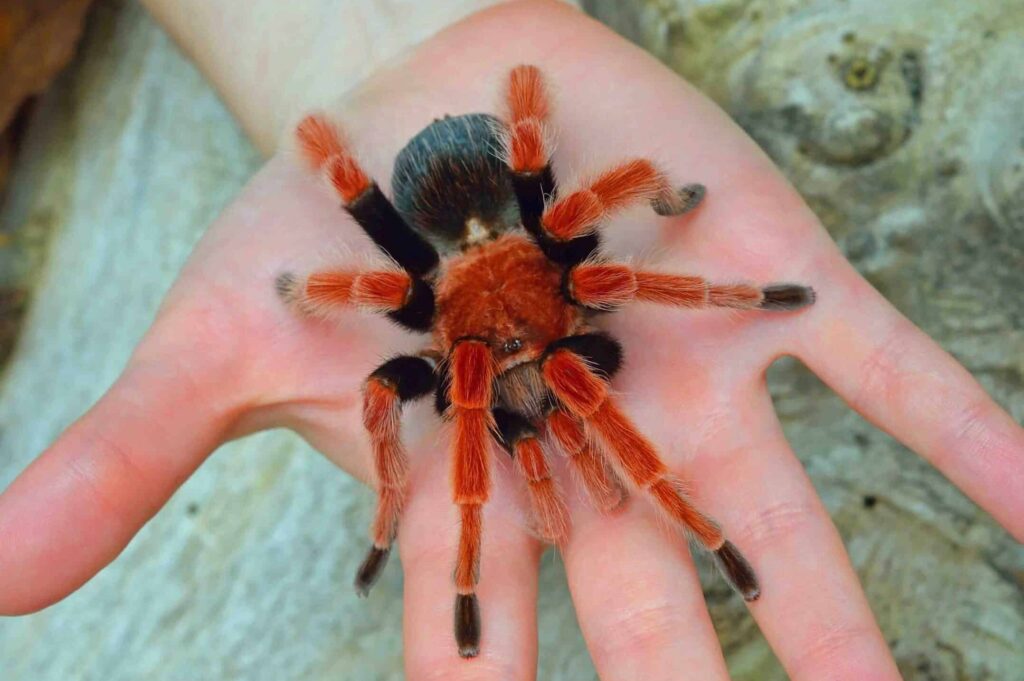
x=504, y=271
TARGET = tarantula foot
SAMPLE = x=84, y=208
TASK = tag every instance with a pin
x=682, y=200
x=285, y=285
x=370, y=570
x=467, y=625
x=608, y=497
x=737, y=571
x=787, y=297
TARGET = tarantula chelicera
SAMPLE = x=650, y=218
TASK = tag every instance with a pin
x=503, y=269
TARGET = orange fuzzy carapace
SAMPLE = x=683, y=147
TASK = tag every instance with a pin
x=503, y=291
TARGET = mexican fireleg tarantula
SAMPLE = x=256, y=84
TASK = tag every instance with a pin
x=512, y=351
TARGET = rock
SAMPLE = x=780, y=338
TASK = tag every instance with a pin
x=900, y=122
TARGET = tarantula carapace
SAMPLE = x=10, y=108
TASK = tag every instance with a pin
x=503, y=269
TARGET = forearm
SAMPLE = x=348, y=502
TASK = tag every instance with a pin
x=272, y=60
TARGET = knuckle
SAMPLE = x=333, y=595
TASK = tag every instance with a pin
x=638, y=628
x=104, y=467
x=779, y=523
x=879, y=374
x=840, y=650
x=451, y=668
x=968, y=429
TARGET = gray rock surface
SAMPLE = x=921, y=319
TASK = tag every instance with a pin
x=899, y=121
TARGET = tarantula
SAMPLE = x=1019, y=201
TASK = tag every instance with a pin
x=503, y=269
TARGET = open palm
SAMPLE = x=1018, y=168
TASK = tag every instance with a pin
x=225, y=358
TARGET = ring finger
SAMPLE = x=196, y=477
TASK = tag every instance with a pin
x=638, y=598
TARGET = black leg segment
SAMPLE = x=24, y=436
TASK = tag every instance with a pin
x=600, y=350
x=787, y=297
x=389, y=231
x=418, y=312
x=411, y=376
x=370, y=569
x=531, y=191
x=467, y=625
x=512, y=427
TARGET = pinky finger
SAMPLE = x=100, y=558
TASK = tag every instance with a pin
x=898, y=378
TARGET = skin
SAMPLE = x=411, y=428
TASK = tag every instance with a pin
x=224, y=358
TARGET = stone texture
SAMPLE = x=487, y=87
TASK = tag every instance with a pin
x=900, y=122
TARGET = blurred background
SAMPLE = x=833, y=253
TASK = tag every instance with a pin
x=900, y=122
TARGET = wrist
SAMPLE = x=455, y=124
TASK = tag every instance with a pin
x=271, y=61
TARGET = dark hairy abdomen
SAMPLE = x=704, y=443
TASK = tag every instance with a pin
x=449, y=175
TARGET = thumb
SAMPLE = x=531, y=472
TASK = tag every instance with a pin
x=78, y=505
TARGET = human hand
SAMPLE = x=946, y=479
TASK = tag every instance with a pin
x=224, y=358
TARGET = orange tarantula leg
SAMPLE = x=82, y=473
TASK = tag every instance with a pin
x=526, y=145
x=608, y=285
x=325, y=151
x=528, y=156
x=471, y=375
x=602, y=485
x=519, y=437
x=406, y=299
x=638, y=180
x=396, y=381
x=572, y=368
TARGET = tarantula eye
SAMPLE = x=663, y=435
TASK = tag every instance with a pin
x=512, y=345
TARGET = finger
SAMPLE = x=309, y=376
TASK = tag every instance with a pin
x=77, y=506
x=812, y=609
x=638, y=598
x=903, y=382
x=507, y=591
